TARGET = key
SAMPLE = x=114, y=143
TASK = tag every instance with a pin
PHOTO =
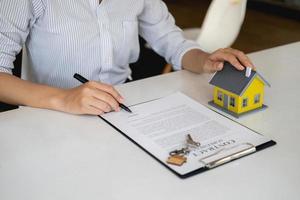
x=192, y=142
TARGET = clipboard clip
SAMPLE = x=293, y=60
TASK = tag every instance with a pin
x=248, y=149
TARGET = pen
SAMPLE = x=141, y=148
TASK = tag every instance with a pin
x=84, y=80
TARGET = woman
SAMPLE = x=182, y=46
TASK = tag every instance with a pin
x=97, y=40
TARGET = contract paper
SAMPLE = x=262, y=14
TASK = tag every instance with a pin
x=161, y=126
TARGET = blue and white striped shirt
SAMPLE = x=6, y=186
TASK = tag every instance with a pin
x=63, y=37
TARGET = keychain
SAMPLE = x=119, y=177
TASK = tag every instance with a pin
x=178, y=156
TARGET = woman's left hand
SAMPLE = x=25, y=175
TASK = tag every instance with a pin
x=214, y=61
x=199, y=61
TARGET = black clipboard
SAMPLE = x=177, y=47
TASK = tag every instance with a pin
x=199, y=170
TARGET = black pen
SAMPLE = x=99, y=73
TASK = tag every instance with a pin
x=84, y=80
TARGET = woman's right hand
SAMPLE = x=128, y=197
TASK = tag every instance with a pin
x=92, y=98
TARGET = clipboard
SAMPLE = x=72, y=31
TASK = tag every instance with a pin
x=216, y=159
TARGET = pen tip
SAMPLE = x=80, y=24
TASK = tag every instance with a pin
x=125, y=108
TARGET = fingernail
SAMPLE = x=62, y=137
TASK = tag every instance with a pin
x=121, y=100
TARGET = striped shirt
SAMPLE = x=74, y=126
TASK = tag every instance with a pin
x=97, y=40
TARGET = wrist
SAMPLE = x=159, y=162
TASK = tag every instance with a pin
x=194, y=60
x=56, y=100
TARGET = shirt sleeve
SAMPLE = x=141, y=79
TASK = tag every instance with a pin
x=15, y=19
x=157, y=27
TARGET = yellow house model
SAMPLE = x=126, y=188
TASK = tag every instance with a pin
x=238, y=92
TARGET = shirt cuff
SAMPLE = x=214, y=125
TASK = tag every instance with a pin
x=185, y=47
x=5, y=70
x=6, y=66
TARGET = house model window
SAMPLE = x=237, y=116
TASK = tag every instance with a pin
x=257, y=98
x=237, y=94
x=232, y=101
x=220, y=96
x=245, y=102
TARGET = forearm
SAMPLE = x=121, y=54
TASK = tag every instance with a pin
x=194, y=60
x=90, y=98
x=16, y=91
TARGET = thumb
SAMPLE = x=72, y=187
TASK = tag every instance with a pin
x=218, y=66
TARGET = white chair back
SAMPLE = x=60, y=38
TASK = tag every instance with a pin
x=25, y=70
x=222, y=24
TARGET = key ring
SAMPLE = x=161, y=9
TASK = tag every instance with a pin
x=182, y=151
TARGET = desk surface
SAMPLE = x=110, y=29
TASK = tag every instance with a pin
x=51, y=155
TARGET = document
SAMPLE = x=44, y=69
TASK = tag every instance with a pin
x=161, y=126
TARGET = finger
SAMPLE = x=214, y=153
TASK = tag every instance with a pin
x=109, y=89
x=242, y=57
x=213, y=67
x=91, y=110
x=221, y=55
x=106, y=98
x=101, y=105
x=218, y=66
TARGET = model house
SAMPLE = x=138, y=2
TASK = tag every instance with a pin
x=238, y=92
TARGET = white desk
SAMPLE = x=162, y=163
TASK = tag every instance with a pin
x=56, y=156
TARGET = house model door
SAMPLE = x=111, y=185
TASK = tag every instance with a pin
x=225, y=101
